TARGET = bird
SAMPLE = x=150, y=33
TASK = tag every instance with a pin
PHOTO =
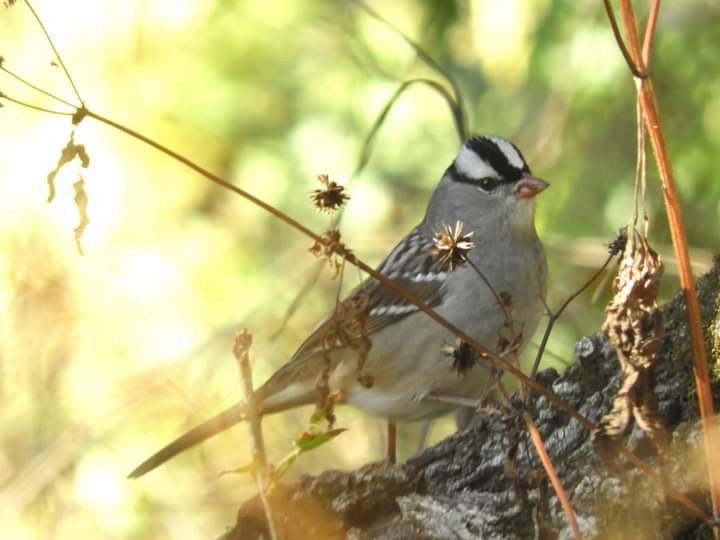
x=489, y=191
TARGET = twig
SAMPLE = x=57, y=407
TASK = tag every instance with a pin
x=36, y=88
x=241, y=349
x=33, y=107
x=514, y=341
x=650, y=32
x=620, y=42
x=552, y=474
x=57, y=54
x=554, y=316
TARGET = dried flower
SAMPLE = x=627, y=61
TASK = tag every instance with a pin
x=330, y=247
x=330, y=197
x=463, y=356
x=618, y=244
x=452, y=245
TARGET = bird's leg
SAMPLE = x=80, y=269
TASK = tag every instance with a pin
x=391, y=441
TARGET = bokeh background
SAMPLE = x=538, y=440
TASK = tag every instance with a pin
x=107, y=356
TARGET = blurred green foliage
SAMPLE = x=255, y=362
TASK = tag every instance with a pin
x=104, y=358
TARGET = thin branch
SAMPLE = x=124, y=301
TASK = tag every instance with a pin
x=554, y=316
x=33, y=107
x=620, y=42
x=650, y=32
x=57, y=54
x=37, y=88
x=241, y=350
x=628, y=16
x=204, y=172
x=552, y=475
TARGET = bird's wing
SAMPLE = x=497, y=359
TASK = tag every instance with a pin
x=372, y=306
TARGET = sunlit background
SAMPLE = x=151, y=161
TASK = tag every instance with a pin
x=107, y=356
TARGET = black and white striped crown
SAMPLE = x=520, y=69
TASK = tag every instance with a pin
x=487, y=156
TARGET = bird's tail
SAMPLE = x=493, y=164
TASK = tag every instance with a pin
x=207, y=429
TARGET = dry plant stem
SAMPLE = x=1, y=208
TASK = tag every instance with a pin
x=241, y=350
x=498, y=362
x=37, y=88
x=547, y=464
x=650, y=33
x=621, y=44
x=204, y=172
x=556, y=315
x=33, y=107
x=552, y=474
x=648, y=102
x=57, y=54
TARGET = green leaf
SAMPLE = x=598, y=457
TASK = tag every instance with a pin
x=309, y=441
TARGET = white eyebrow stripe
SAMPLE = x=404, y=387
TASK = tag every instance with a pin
x=512, y=155
x=469, y=164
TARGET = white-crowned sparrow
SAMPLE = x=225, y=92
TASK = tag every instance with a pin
x=490, y=190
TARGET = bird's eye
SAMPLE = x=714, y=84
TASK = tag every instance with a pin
x=488, y=184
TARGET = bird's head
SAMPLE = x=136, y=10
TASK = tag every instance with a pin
x=488, y=180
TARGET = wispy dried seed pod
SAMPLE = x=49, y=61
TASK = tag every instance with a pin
x=330, y=247
x=463, y=356
x=618, y=244
x=330, y=197
x=452, y=245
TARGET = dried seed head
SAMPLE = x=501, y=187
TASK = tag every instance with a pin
x=331, y=195
x=452, y=245
x=330, y=247
x=618, y=244
x=463, y=356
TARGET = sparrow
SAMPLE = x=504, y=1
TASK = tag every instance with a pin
x=490, y=191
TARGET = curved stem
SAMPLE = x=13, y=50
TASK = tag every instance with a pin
x=57, y=54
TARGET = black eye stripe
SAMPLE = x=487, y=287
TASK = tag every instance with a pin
x=457, y=176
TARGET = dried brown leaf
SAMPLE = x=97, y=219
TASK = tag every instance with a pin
x=634, y=327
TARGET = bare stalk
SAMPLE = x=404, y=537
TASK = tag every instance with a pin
x=241, y=350
x=552, y=474
x=33, y=107
x=35, y=87
x=57, y=54
x=554, y=316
